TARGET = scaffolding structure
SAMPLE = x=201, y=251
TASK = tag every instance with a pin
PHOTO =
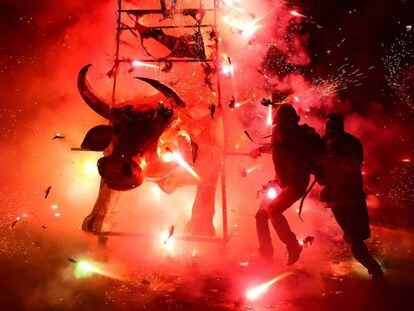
x=168, y=14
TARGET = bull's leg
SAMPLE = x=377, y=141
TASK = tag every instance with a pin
x=94, y=221
x=201, y=222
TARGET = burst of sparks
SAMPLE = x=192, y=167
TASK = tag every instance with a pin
x=398, y=62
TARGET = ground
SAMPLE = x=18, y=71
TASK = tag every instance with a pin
x=41, y=277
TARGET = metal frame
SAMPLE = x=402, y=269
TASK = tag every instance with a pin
x=104, y=235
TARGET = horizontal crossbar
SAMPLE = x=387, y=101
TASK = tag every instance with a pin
x=187, y=238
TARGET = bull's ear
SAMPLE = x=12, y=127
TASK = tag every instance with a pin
x=98, y=138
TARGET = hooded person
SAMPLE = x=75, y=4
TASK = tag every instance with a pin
x=294, y=149
x=343, y=192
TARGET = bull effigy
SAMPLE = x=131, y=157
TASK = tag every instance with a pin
x=134, y=153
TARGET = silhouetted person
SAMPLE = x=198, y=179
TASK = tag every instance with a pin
x=294, y=148
x=343, y=192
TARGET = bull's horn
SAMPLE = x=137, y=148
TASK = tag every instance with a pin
x=97, y=104
x=165, y=90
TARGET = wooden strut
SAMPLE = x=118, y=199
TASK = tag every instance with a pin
x=187, y=238
x=103, y=236
x=169, y=27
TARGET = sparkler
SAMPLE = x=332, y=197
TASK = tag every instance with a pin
x=255, y=292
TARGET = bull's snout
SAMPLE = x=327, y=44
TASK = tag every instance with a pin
x=120, y=173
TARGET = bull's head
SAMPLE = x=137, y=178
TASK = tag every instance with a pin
x=133, y=132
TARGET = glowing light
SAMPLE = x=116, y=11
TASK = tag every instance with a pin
x=296, y=14
x=249, y=170
x=185, y=135
x=89, y=166
x=169, y=156
x=256, y=292
x=167, y=242
x=143, y=163
x=246, y=28
x=137, y=63
x=272, y=193
x=85, y=268
x=249, y=29
x=54, y=206
x=57, y=215
x=157, y=192
x=406, y=160
x=269, y=119
x=227, y=69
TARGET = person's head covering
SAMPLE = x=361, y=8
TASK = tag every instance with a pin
x=286, y=114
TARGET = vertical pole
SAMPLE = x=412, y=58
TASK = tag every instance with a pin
x=118, y=43
x=219, y=104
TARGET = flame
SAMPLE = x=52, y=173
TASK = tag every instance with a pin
x=255, y=292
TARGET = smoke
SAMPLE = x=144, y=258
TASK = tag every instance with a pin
x=46, y=45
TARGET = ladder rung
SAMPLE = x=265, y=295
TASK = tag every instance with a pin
x=170, y=27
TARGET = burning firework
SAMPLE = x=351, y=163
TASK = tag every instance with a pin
x=176, y=156
x=256, y=292
x=85, y=268
x=167, y=242
x=137, y=63
x=272, y=193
